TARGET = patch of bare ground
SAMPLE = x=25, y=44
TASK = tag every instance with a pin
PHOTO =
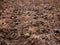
x=29, y=22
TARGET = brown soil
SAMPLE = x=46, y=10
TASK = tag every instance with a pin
x=29, y=22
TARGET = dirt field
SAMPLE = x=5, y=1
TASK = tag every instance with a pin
x=29, y=22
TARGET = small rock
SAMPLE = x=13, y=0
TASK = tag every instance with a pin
x=27, y=35
x=56, y=30
x=13, y=17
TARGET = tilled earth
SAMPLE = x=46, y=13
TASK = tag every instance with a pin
x=29, y=22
